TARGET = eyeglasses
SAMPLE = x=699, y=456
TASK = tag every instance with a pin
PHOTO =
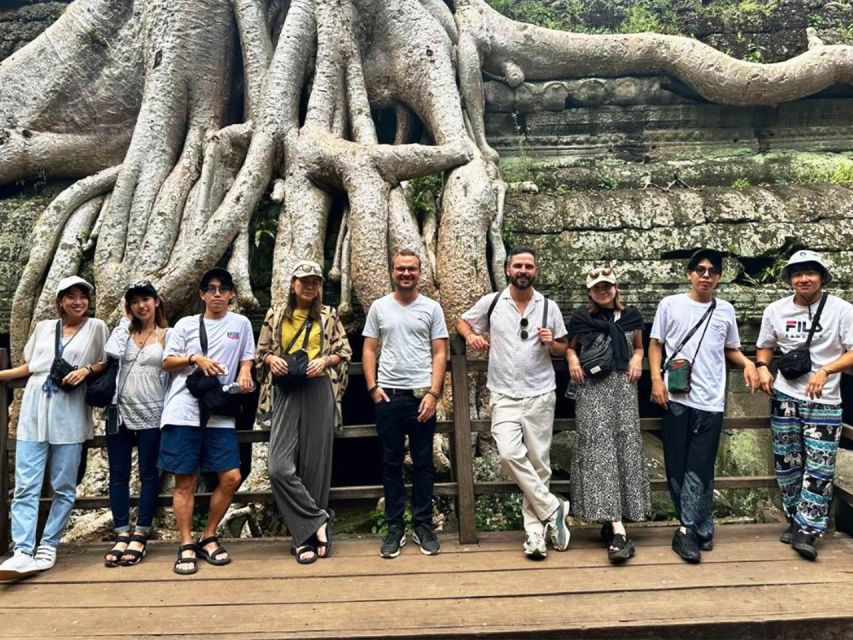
x=707, y=271
x=606, y=271
x=222, y=288
x=524, y=333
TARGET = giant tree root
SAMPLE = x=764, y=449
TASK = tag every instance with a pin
x=214, y=127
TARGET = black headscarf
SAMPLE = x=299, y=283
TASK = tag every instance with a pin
x=588, y=325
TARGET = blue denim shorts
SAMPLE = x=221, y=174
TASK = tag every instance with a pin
x=190, y=450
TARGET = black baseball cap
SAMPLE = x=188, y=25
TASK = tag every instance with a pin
x=711, y=255
x=141, y=288
x=218, y=273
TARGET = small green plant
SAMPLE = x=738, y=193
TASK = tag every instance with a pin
x=500, y=512
x=426, y=192
x=380, y=527
x=741, y=183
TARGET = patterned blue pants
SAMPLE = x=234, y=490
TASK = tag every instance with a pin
x=805, y=442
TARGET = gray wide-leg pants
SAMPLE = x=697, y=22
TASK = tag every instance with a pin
x=300, y=455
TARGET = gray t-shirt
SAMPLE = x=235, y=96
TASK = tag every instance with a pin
x=676, y=316
x=405, y=334
x=786, y=325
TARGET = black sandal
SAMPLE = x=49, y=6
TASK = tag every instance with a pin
x=327, y=545
x=135, y=556
x=212, y=556
x=182, y=560
x=112, y=558
x=304, y=548
x=622, y=549
x=606, y=533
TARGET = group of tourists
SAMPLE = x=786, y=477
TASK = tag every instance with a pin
x=177, y=395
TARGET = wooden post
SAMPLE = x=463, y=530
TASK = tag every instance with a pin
x=4, y=457
x=462, y=455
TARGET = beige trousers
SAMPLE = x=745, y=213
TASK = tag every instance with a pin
x=522, y=429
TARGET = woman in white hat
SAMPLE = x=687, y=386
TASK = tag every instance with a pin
x=54, y=423
x=609, y=479
x=305, y=409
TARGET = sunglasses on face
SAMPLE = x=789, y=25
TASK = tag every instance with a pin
x=222, y=288
x=707, y=271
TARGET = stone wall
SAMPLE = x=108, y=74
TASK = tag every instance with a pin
x=22, y=20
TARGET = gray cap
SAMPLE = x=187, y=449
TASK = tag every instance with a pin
x=307, y=268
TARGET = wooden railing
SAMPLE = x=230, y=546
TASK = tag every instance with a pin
x=462, y=487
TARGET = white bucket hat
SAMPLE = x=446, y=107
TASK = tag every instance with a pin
x=801, y=257
x=71, y=281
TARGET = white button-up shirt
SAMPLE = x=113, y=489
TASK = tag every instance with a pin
x=517, y=368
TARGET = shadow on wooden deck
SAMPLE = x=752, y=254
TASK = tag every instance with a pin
x=749, y=586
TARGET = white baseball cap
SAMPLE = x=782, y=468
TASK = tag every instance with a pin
x=603, y=274
x=71, y=281
x=801, y=257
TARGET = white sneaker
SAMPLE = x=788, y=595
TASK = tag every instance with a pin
x=20, y=565
x=45, y=557
x=534, y=546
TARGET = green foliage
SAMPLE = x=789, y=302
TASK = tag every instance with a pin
x=833, y=172
x=495, y=512
x=426, y=192
x=380, y=527
x=538, y=13
x=517, y=168
x=741, y=183
x=649, y=16
x=756, y=54
x=735, y=10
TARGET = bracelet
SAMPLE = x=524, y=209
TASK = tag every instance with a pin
x=826, y=371
x=434, y=394
x=760, y=363
x=89, y=368
x=372, y=389
x=190, y=360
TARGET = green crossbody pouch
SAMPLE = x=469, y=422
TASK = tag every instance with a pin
x=678, y=375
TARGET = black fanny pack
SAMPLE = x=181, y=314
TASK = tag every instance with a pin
x=597, y=358
x=798, y=362
x=212, y=400
x=297, y=362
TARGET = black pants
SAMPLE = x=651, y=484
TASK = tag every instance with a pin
x=394, y=421
x=690, y=441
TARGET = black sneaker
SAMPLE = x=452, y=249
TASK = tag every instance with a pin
x=787, y=536
x=803, y=544
x=394, y=540
x=686, y=546
x=425, y=537
x=706, y=545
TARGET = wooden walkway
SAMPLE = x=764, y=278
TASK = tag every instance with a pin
x=750, y=586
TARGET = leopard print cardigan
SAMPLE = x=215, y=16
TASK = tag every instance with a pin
x=333, y=341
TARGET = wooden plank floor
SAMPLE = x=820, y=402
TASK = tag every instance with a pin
x=750, y=586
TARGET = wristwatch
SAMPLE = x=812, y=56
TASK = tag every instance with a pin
x=760, y=363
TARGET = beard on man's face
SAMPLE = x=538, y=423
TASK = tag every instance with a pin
x=522, y=280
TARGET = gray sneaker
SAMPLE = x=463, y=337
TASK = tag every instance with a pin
x=534, y=546
x=558, y=530
x=426, y=539
x=45, y=557
x=394, y=540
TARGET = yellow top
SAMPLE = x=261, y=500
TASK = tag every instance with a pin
x=289, y=329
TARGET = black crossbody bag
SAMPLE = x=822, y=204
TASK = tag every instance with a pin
x=60, y=366
x=681, y=369
x=212, y=400
x=798, y=362
x=297, y=362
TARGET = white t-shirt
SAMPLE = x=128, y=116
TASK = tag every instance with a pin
x=786, y=325
x=405, y=334
x=517, y=368
x=675, y=317
x=229, y=341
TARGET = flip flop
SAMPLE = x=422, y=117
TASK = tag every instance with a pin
x=305, y=548
x=212, y=556
x=330, y=522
